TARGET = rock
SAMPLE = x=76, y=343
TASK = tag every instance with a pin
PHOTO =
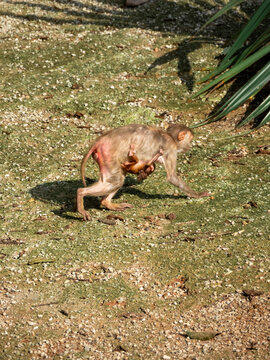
x=133, y=3
x=200, y=335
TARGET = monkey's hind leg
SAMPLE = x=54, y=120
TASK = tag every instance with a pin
x=132, y=157
x=80, y=205
x=131, y=150
x=133, y=160
x=114, y=183
x=105, y=188
x=101, y=188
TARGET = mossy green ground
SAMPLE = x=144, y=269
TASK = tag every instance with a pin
x=69, y=71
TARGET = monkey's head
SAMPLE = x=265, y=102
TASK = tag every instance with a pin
x=182, y=135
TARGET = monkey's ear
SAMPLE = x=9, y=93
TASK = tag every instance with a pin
x=181, y=135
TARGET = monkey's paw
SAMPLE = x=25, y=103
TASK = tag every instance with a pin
x=117, y=207
x=203, y=194
x=124, y=206
x=86, y=216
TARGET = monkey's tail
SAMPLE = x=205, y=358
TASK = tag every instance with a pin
x=83, y=164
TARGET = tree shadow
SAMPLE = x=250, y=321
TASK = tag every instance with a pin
x=156, y=15
x=162, y=16
x=63, y=194
x=181, y=53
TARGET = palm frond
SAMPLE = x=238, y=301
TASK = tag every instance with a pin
x=261, y=41
x=224, y=9
x=240, y=56
x=244, y=93
x=252, y=25
x=265, y=120
x=236, y=69
x=263, y=107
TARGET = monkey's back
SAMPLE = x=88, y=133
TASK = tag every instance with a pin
x=147, y=141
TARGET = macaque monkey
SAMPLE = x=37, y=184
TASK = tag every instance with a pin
x=141, y=168
x=112, y=149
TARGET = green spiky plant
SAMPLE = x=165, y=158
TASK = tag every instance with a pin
x=240, y=56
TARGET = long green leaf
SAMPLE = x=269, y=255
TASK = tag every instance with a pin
x=247, y=50
x=257, y=18
x=262, y=40
x=258, y=43
x=254, y=85
x=258, y=111
x=222, y=11
x=236, y=69
x=217, y=71
x=265, y=120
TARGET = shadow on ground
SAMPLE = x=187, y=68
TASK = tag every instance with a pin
x=63, y=194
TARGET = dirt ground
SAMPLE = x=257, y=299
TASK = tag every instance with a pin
x=171, y=278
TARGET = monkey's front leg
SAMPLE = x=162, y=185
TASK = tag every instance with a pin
x=170, y=166
x=176, y=181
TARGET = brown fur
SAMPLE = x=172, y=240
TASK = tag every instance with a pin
x=112, y=149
